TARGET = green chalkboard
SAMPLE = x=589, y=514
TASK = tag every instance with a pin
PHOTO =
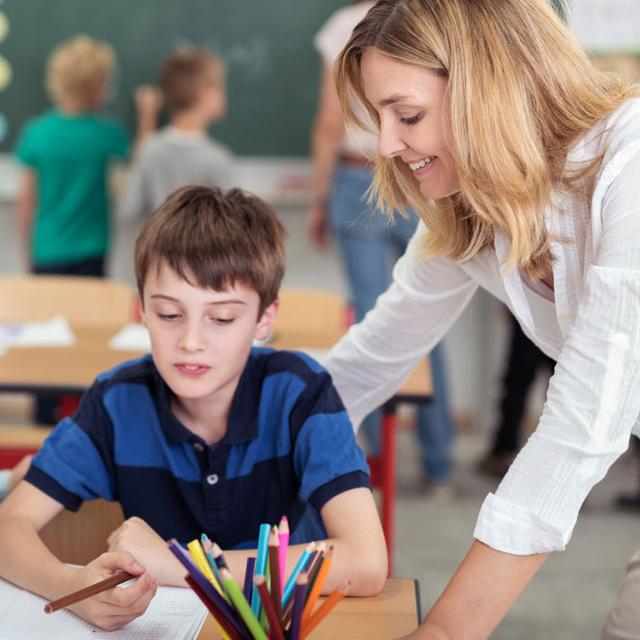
x=273, y=69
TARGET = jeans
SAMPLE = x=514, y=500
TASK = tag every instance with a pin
x=369, y=246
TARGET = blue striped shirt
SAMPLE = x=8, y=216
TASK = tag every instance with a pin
x=289, y=448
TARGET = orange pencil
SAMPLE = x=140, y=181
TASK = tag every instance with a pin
x=323, y=611
x=317, y=586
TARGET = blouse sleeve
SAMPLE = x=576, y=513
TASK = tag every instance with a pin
x=376, y=356
x=593, y=401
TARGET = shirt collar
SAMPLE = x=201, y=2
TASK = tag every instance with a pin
x=242, y=425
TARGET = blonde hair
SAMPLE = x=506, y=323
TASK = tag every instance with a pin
x=77, y=70
x=520, y=93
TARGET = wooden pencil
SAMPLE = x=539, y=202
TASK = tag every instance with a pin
x=275, y=624
x=87, y=592
x=323, y=611
x=317, y=587
x=283, y=536
x=226, y=629
x=299, y=597
x=274, y=565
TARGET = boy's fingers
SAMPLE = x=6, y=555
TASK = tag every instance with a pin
x=115, y=560
x=124, y=598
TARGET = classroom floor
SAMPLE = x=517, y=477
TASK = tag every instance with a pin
x=569, y=598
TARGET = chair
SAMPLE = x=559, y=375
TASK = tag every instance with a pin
x=90, y=302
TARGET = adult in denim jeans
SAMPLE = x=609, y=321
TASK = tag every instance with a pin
x=369, y=245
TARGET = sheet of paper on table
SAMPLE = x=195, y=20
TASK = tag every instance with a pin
x=52, y=333
x=173, y=613
x=133, y=337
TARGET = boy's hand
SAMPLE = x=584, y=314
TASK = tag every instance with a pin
x=136, y=537
x=116, y=607
x=148, y=101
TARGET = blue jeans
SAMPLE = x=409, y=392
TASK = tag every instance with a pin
x=369, y=246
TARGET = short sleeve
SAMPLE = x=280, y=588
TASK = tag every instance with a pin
x=25, y=149
x=326, y=457
x=75, y=462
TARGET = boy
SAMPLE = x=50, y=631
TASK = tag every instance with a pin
x=181, y=154
x=206, y=435
x=63, y=205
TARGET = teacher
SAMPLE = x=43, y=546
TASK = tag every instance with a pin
x=523, y=162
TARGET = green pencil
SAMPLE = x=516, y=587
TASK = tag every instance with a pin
x=241, y=605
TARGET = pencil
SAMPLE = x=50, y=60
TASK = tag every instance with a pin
x=248, y=577
x=200, y=559
x=300, y=566
x=283, y=535
x=275, y=626
x=219, y=558
x=314, y=565
x=317, y=586
x=206, y=586
x=311, y=570
x=261, y=565
x=323, y=611
x=299, y=597
x=87, y=592
x=274, y=565
x=242, y=606
x=207, y=547
x=226, y=630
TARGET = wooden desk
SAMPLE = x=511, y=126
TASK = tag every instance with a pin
x=393, y=613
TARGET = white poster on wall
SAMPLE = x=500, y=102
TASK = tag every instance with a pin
x=607, y=26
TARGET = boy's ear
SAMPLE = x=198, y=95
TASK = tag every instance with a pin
x=140, y=312
x=265, y=324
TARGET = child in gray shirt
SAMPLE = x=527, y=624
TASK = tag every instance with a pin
x=182, y=153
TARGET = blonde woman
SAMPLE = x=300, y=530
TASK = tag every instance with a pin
x=523, y=161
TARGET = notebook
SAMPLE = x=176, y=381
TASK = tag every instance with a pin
x=173, y=613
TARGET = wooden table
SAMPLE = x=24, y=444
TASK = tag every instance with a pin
x=391, y=614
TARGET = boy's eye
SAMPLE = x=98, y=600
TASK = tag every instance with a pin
x=168, y=316
x=223, y=320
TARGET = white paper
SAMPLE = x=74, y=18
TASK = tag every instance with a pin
x=52, y=333
x=133, y=337
x=173, y=613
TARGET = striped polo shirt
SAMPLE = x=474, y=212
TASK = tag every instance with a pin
x=289, y=448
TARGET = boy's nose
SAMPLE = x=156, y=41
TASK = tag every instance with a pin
x=192, y=338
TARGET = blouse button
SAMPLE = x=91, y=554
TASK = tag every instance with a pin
x=212, y=479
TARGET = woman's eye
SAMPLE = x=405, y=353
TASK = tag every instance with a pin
x=411, y=120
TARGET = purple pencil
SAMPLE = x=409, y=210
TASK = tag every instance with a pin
x=248, y=577
x=299, y=596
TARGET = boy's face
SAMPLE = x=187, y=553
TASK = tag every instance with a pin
x=200, y=338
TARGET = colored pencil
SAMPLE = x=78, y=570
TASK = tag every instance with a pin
x=87, y=592
x=226, y=630
x=219, y=558
x=261, y=565
x=323, y=610
x=200, y=559
x=316, y=590
x=207, y=547
x=206, y=586
x=310, y=570
x=248, y=577
x=275, y=625
x=299, y=597
x=274, y=567
x=314, y=565
x=283, y=536
x=242, y=606
x=300, y=566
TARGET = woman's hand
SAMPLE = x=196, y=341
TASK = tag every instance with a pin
x=114, y=608
x=136, y=537
x=318, y=225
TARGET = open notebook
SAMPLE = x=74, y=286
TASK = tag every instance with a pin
x=173, y=613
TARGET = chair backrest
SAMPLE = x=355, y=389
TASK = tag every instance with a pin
x=310, y=317
x=91, y=302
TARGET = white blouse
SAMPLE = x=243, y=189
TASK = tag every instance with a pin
x=593, y=401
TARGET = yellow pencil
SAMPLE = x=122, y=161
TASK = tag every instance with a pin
x=197, y=553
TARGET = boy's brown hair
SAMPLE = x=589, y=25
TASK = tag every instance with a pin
x=216, y=239
x=184, y=73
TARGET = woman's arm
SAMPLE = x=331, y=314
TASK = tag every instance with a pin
x=328, y=129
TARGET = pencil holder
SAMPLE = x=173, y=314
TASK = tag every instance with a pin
x=270, y=604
